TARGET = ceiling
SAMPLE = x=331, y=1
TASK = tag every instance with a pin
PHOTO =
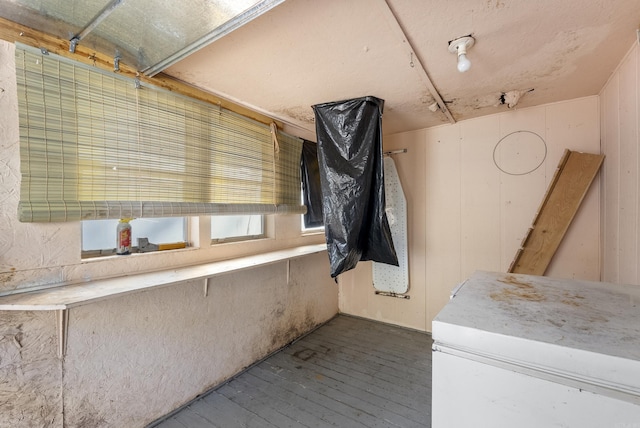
x=305, y=52
x=297, y=53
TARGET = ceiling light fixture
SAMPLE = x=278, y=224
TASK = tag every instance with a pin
x=459, y=47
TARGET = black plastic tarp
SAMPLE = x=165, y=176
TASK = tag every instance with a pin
x=311, y=187
x=349, y=137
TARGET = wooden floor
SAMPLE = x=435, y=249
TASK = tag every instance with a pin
x=348, y=373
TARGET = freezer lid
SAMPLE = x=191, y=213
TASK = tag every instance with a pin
x=589, y=331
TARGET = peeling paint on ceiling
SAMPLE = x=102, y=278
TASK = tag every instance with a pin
x=305, y=52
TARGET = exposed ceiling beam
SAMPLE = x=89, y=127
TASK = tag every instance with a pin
x=417, y=64
x=101, y=16
x=233, y=24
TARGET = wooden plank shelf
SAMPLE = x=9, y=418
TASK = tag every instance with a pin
x=65, y=297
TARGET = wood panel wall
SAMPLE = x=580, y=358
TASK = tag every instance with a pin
x=466, y=215
x=620, y=209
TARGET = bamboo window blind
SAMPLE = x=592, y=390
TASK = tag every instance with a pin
x=96, y=145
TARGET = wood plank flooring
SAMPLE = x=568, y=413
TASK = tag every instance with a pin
x=350, y=372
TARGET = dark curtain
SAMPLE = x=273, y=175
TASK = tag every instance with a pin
x=311, y=190
x=352, y=178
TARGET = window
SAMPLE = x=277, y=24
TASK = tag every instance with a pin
x=305, y=225
x=309, y=229
x=97, y=145
x=99, y=236
x=311, y=190
x=236, y=227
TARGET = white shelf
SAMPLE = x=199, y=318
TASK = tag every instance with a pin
x=69, y=296
x=64, y=297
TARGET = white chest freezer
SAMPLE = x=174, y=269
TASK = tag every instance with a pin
x=526, y=351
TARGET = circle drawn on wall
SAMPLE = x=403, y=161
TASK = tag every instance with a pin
x=520, y=153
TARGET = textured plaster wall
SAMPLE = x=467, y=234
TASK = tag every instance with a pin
x=135, y=358
x=30, y=371
x=131, y=361
x=29, y=254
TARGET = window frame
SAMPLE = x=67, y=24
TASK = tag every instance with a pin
x=106, y=252
x=241, y=238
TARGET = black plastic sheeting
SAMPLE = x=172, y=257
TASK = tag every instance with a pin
x=349, y=137
x=311, y=187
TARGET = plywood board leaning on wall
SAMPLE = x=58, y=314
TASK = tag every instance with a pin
x=571, y=181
